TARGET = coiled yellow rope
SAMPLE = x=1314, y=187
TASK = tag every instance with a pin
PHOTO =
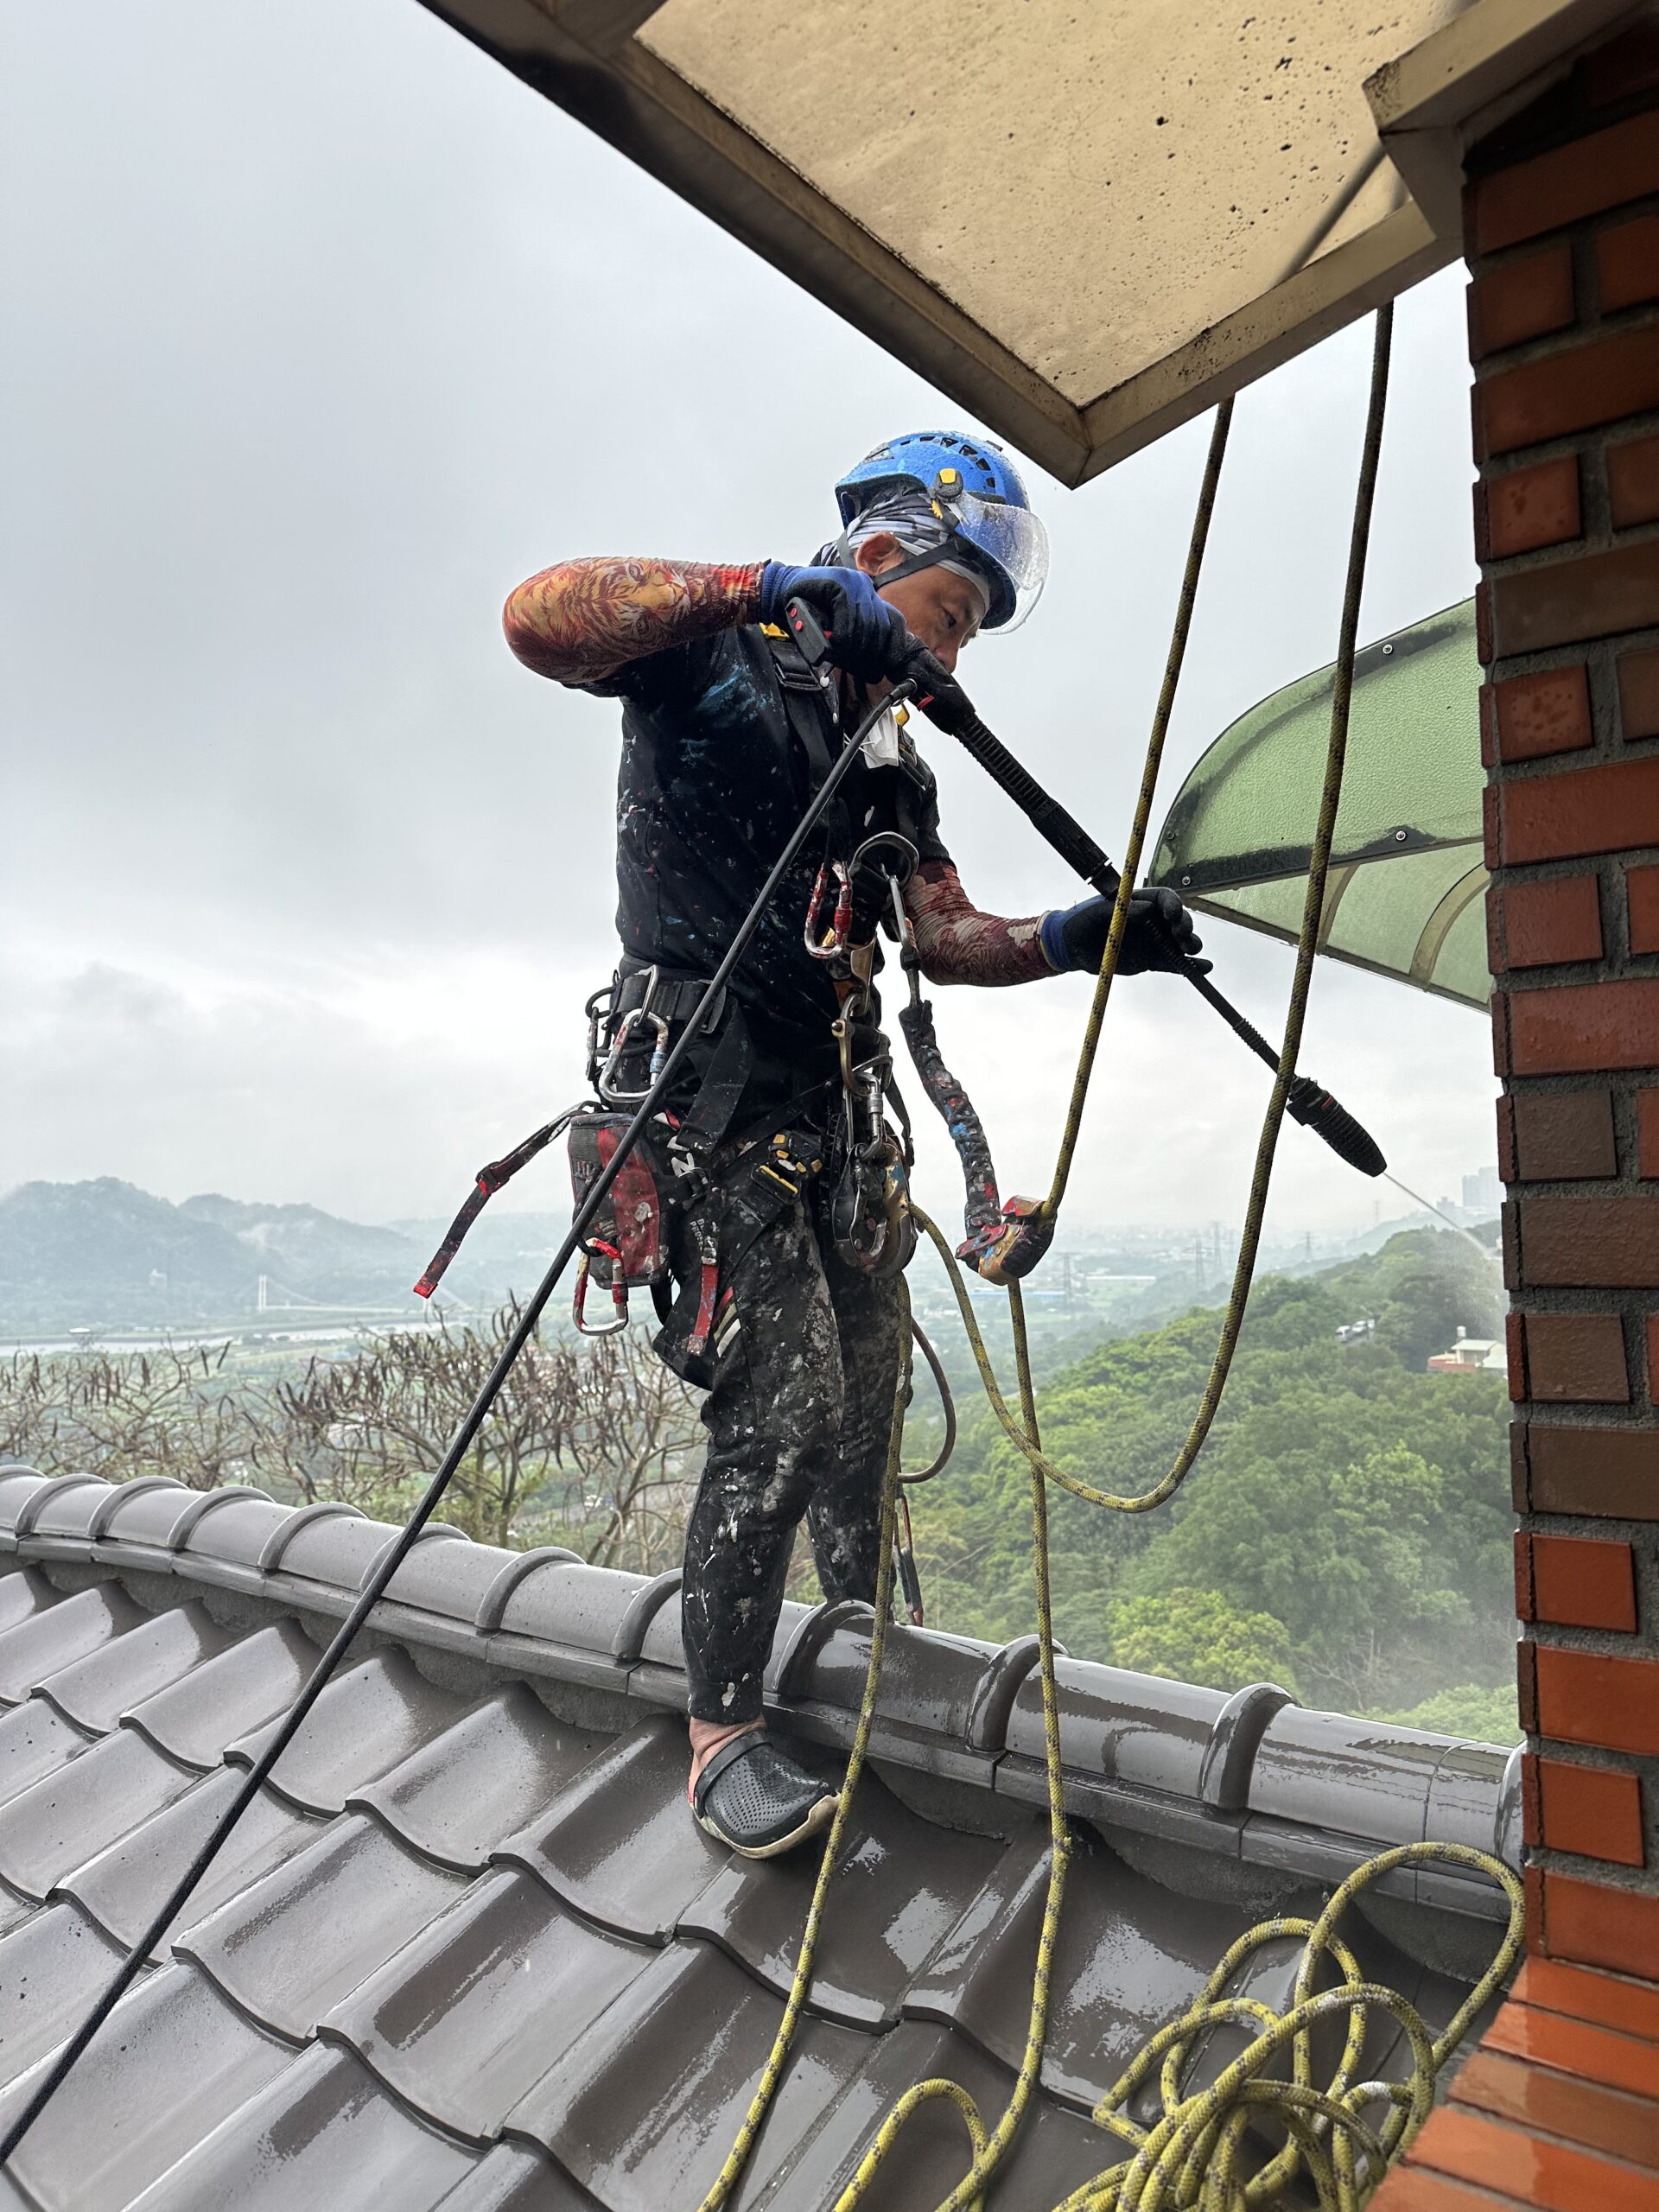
x=1341, y=2136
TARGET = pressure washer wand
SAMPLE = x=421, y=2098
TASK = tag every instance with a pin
x=944, y=703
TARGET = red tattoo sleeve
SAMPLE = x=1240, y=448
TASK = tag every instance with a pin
x=959, y=944
x=583, y=619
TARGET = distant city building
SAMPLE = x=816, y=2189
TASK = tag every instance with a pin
x=1481, y=1194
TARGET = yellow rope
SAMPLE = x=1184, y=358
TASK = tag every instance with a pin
x=1343, y=2136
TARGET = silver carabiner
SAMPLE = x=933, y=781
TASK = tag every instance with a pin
x=618, y=1319
x=607, y=1089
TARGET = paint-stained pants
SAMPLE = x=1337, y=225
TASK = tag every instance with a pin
x=801, y=1369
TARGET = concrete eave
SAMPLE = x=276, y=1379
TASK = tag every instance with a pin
x=1432, y=103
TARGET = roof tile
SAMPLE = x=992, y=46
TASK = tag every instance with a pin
x=34, y=1741
x=291, y=1945
x=51, y=1968
x=176, y=2059
x=514, y=2178
x=123, y=1887
x=642, y=2109
x=1131, y=1955
x=227, y=1697
x=323, y=2133
x=367, y=1720
x=1053, y=2153
x=94, y=1692
x=60, y=1821
x=49, y=1641
x=619, y=1843
x=24, y=1592
x=458, y=2023
x=896, y=1894
x=498, y=1766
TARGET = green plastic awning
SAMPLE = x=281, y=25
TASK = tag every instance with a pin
x=1404, y=894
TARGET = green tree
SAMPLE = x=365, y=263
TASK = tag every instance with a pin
x=1470, y=1709
x=1196, y=1636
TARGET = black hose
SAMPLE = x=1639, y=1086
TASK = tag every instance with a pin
x=472, y=1421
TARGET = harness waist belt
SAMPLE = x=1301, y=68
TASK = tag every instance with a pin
x=647, y=989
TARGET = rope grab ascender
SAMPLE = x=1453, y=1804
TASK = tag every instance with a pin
x=1339, y=2138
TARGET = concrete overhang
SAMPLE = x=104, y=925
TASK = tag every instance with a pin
x=1432, y=103
x=1087, y=225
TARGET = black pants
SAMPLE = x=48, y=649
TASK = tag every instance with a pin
x=801, y=1369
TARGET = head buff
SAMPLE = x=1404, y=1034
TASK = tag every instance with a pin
x=907, y=514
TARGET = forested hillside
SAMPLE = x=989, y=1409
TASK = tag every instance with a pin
x=1346, y=1530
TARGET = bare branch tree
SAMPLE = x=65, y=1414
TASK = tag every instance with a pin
x=587, y=1445
x=160, y=1413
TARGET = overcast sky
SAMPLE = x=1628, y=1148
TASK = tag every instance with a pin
x=323, y=331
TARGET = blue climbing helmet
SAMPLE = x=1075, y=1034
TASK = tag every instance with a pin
x=976, y=492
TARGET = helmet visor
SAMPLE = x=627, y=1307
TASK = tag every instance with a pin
x=1014, y=543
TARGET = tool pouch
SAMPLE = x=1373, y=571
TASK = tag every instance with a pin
x=626, y=1244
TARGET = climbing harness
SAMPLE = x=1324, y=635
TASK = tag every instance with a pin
x=1341, y=2138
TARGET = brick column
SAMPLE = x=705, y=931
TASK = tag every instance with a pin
x=1561, y=2105
x=1562, y=235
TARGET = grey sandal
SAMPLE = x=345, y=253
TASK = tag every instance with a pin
x=755, y=1799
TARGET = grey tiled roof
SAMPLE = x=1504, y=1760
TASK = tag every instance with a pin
x=469, y=1950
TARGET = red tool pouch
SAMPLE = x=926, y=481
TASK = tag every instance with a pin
x=626, y=1240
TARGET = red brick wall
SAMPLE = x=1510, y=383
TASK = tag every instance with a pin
x=1562, y=224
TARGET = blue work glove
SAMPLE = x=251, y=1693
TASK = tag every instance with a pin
x=867, y=636
x=1159, y=935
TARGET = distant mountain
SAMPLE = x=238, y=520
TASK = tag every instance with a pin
x=303, y=1236
x=105, y=1254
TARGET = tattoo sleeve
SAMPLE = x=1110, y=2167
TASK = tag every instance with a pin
x=583, y=619
x=959, y=944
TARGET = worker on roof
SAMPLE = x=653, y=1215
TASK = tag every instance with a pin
x=792, y=1325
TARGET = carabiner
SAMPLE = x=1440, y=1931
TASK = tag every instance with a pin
x=597, y=1010
x=831, y=946
x=618, y=1319
x=606, y=1089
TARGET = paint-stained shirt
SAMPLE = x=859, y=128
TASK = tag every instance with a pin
x=713, y=781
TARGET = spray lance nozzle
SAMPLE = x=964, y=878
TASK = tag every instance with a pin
x=1311, y=1105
